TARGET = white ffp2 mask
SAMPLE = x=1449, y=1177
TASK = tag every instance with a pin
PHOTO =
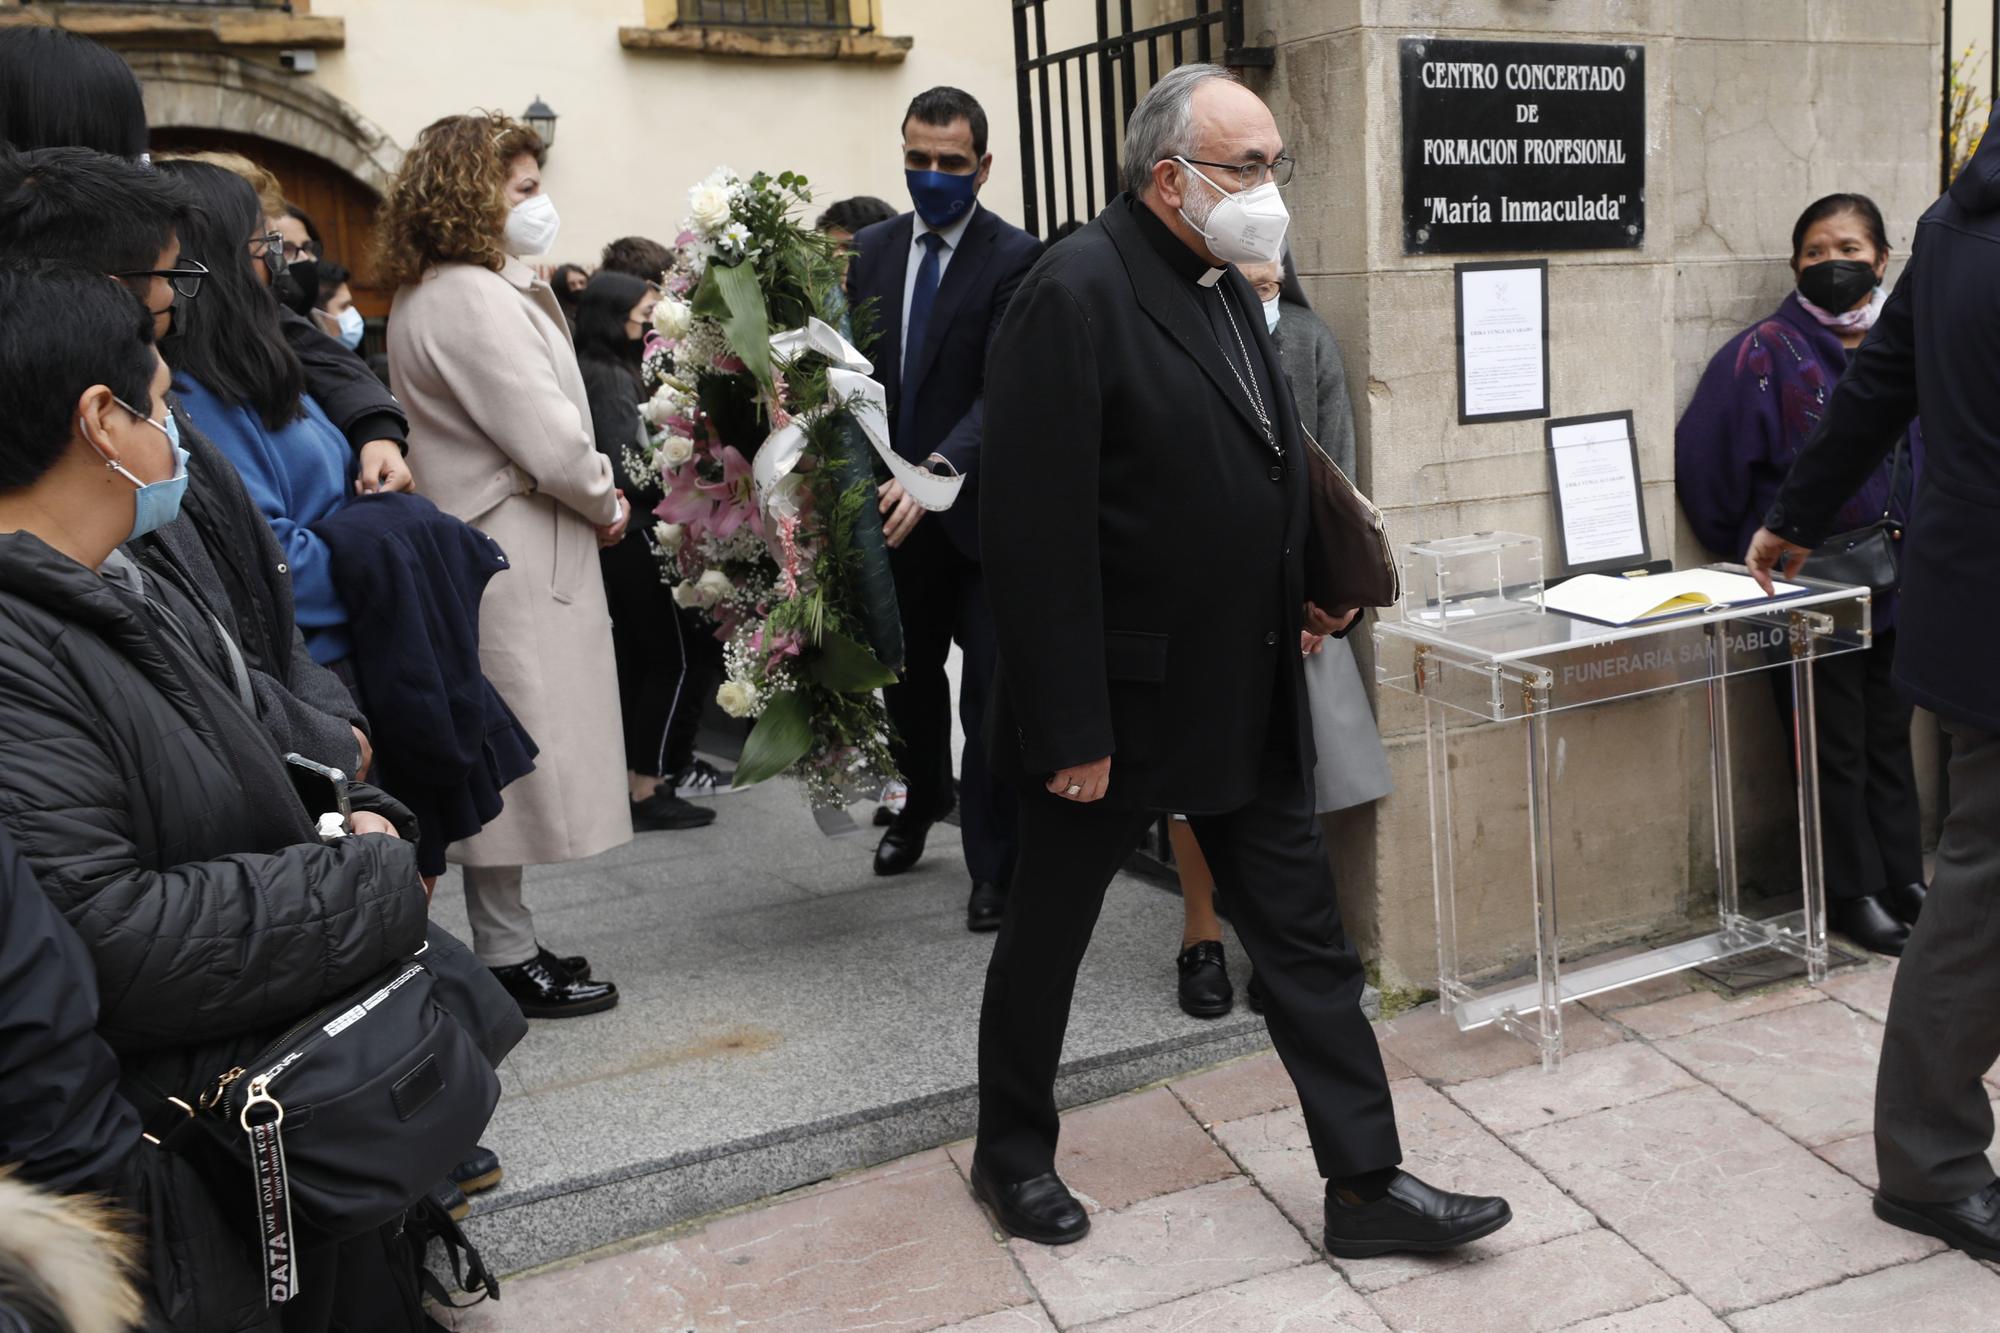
x=532, y=225
x=1243, y=228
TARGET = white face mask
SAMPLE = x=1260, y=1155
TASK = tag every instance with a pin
x=532, y=225
x=1243, y=228
x=1271, y=315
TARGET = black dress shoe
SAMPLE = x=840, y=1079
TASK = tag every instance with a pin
x=1868, y=922
x=1205, y=991
x=1253, y=994
x=1411, y=1217
x=902, y=846
x=575, y=963
x=447, y=1195
x=481, y=1171
x=544, y=989
x=1905, y=902
x=986, y=906
x=1972, y=1225
x=664, y=810
x=1041, y=1209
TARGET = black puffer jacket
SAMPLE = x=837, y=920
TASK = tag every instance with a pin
x=160, y=821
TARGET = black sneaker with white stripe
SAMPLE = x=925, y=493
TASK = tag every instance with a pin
x=702, y=778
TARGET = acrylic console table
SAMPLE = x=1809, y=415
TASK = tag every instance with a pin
x=1528, y=665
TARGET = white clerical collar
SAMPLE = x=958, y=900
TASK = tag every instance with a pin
x=1210, y=278
x=953, y=233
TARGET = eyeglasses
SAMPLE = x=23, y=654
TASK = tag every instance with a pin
x=1252, y=174
x=186, y=279
x=270, y=247
x=297, y=250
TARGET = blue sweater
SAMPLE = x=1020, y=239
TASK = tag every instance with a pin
x=296, y=475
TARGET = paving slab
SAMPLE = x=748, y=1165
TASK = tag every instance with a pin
x=1809, y=1069
x=1945, y=1292
x=1308, y=1299
x=1676, y=1314
x=1120, y=1151
x=1545, y=1287
x=1706, y=1008
x=1441, y=1144
x=1865, y=989
x=1020, y=1319
x=1736, y=1212
x=1856, y=1157
x=1433, y=1048
x=1160, y=1250
x=1238, y=1090
x=1592, y=1081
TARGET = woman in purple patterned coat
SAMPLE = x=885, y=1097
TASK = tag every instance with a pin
x=1759, y=399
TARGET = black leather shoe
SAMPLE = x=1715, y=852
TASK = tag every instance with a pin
x=1905, y=902
x=1253, y=994
x=902, y=846
x=1412, y=1217
x=1205, y=991
x=664, y=810
x=985, y=907
x=448, y=1196
x=1041, y=1209
x=1972, y=1225
x=575, y=963
x=544, y=990
x=481, y=1171
x=1869, y=923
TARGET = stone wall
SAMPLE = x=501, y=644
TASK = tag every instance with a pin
x=1753, y=111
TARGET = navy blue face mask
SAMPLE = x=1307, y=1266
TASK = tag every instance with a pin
x=941, y=198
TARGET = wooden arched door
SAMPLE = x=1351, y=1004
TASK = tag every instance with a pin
x=341, y=206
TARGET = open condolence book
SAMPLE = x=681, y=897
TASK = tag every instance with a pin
x=1631, y=601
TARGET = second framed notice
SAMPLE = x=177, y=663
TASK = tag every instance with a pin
x=1502, y=314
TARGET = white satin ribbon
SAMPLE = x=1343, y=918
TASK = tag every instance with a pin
x=849, y=379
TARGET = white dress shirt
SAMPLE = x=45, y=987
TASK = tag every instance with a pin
x=952, y=236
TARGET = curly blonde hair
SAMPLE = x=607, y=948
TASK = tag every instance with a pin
x=448, y=204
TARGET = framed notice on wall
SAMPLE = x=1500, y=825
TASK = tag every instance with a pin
x=1594, y=480
x=1502, y=318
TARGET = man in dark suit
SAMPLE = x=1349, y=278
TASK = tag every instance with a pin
x=1144, y=516
x=936, y=283
x=1932, y=351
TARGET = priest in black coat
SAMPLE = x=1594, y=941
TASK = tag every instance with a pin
x=1143, y=516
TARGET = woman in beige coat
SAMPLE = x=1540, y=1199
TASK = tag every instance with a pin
x=480, y=355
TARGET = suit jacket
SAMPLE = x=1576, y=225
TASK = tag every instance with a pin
x=950, y=368
x=1142, y=540
x=1933, y=348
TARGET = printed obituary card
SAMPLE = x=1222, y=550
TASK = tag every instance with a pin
x=1594, y=477
x=1503, y=341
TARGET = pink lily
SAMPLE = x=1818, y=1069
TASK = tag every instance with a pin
x=735, y=502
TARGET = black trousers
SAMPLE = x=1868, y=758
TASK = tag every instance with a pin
x=942, y=595
x=1870, y=822
x=1933, y=1119
x=1272, y=872
x=669, y=662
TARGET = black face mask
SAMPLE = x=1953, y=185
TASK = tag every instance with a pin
x=635, y=350
x=1837, y=285
x=297, y=288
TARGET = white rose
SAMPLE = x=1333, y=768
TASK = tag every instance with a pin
x=686, y=596
x=736, y=698
x=672, y=318
x=677, y=450
x=669, y=536
x=665, y=403
x=713, y=586
x=708, y=207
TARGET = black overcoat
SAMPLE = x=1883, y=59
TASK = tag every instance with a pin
x=1141, y=538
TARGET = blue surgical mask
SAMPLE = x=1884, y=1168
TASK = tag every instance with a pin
x=352, y=326
x=940, y=197
x=157, y=503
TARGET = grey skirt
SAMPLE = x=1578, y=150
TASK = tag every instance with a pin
x=1353, y=769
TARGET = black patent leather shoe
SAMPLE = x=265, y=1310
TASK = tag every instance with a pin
x=902, y=846
x=1041, y=1209
x=986, y=906
x=1869, y=923
x=574, y=963
x=1205, y=991
x=480, y=1171
x=1412, y=1217
x=1972, y=1225
x=544, y=989
x=1905, y=902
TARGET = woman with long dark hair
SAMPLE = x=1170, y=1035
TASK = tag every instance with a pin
x=1759, y=399
x=60, y=90
x=659, y=700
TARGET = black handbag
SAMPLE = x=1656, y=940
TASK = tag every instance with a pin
x=1866, y=557
x=1349, y=561
x=345, y=1120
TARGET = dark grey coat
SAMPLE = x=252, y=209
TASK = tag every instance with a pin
x=1319, y=380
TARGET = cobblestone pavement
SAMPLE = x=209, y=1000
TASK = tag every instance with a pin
x=1700, y=1162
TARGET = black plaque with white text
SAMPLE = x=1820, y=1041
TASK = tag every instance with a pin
x=1522, y=146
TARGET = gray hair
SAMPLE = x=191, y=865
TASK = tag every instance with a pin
x=1162, y=125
